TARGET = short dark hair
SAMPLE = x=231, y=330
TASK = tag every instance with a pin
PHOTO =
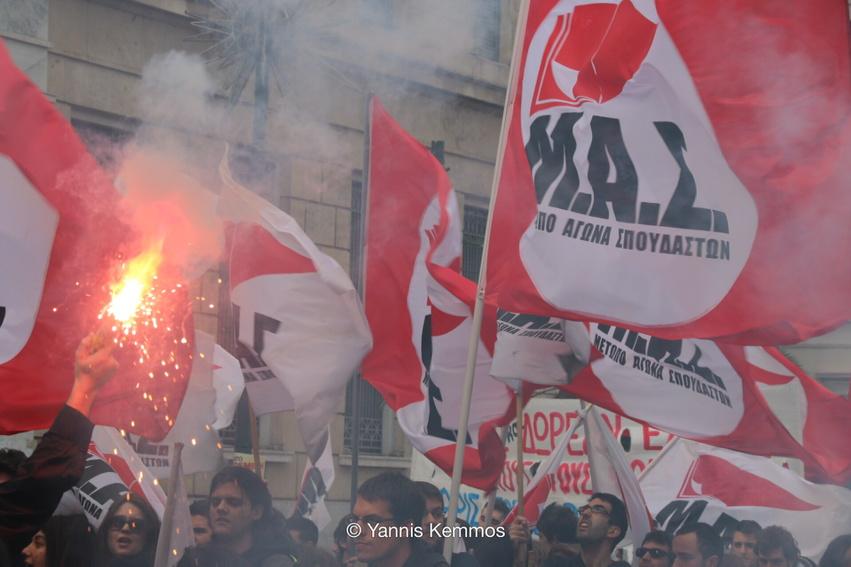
x=834, y=555
x=428, y=490
x=152, y=529
x=250, y=484
x=306, y=529
x=776, y=537
x=748, y=527
x=708, y=541
x=11, y=460
x=500, y=505
x=200, y=508
x=617, y=517
x=401, y=494
x=558, y=524
x=658, y=536
x=340, y=534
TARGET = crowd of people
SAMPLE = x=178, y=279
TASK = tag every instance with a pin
x=237, y=525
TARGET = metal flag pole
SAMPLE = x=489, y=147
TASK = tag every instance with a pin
x=360, y=283
x=473, y=343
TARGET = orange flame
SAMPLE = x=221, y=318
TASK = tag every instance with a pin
x=129, y=293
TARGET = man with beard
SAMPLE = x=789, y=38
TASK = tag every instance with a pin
x=602, y=525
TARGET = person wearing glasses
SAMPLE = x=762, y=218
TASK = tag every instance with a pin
x=655, y=550
x=602, y=525
x=386, y=523
x=127, y=537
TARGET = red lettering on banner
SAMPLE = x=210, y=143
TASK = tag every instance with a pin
x=576, y=474
x=616, y=427
x=555, y=431
x=586, y=478
x=649, y=433
x=637, y=466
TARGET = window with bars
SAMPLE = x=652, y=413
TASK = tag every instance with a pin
x=475, y=219
x=370, y=402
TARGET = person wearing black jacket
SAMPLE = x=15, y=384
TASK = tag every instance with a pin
x=29, y=498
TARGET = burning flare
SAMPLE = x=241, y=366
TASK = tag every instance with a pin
x=129, y=293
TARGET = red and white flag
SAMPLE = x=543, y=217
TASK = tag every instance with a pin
x=420, y=308
x=61, y=237
x=543, y=479
x=299, y=318
x=691, y=482
x=112, y=470
x=211, y=396
x=610, y=472
x=674, y=167
x=816, y=417
x=698, y=389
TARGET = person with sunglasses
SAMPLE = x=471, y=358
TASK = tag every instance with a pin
x=128, y=534
x=655, y=550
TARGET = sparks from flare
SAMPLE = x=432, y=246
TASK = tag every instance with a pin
x=129, y=293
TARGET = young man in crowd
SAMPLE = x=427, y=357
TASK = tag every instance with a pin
x=602, y=525
x=697, y=545
x=303, y=531
x=244, y=521
x=388, y=508
x=655, y=550
x=200, y=512
x=435, y=516
x=744, y=541
x=776, y=547
x=557, y=525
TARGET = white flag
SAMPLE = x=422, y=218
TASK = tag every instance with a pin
x=176, y=534
x=317, y=478
x=692, y=482
x=610, y=472
x=299, y=317
x=228, y=383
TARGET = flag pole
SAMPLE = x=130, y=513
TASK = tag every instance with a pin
x=522, y=550
x=473, y=343
x=161, y=559
x=360, y=283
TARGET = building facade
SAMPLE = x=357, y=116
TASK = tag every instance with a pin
x=440, y=67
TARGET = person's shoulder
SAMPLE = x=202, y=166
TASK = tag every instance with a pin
x=619, y=563
x=422, y=558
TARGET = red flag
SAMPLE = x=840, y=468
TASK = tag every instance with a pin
x=674, y=167
x=825, y=417
x=419, y=307
x=61, y=239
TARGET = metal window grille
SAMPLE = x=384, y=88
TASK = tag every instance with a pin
x=370, y=402
x=475, y=219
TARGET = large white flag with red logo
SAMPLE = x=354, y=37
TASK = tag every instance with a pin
x=543, y=479
x=420, y=309
x=691, y=482
x=675, y=167
x=816, y=417
x=61, y=238
x=298, y=315
x=699, y=389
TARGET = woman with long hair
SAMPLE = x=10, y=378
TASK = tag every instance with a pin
x=128, y=535
x=64, y=541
